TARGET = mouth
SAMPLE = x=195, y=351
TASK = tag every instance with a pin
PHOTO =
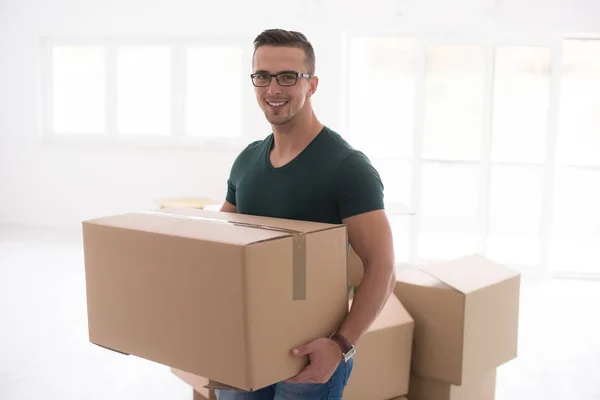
x=277, y=104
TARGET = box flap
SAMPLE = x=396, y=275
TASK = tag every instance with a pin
x=286, y=224
x=221, y=386
x=212, y=226
x=470, y=273
x=414, y=276
x=392, y=314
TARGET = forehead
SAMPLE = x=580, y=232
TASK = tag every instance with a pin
x=278, y=58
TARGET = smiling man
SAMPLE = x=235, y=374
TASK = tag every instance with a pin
x=304, y=170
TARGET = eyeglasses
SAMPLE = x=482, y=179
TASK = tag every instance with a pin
x=263, y=79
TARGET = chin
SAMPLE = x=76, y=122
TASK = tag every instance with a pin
x=278, y=119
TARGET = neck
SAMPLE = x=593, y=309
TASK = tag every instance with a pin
x=295, y=135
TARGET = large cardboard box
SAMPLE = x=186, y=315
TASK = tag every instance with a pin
x=382, y=360
x=483, y=388
x=355, y=268
x=225, y=296
x=466, y=314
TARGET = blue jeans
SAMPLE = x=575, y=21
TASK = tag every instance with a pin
x=332, y=390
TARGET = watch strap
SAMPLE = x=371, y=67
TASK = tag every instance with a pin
x=344, y=344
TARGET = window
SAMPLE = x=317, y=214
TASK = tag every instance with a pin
x=454, y=96
x=213, y=92
x=515, y=208
x=144, y=90
x=170, y=90
x=449, y=210
x=579, y=125
x=381, y=104
x=576, y=221
x=520, y=103
x=79, y=95
x=484, y=118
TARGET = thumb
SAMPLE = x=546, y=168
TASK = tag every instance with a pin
x=304, y=349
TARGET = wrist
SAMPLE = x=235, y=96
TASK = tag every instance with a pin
x=346, y=348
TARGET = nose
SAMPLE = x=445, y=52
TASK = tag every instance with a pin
x=274, y=88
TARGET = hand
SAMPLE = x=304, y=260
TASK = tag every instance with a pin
x=324, y=355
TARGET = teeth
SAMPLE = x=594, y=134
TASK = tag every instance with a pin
x=277, y=104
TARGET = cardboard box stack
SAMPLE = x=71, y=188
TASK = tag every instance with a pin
x=466, y=315
x=227, y=296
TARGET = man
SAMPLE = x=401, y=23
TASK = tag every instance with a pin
x=306, y=171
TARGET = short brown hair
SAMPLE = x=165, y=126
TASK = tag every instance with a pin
x=281, y=37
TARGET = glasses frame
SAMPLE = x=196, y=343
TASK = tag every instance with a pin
x=276, y=76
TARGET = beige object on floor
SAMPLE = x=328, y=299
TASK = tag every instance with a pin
x=185, y=202
x=198, y=383
x=466, y=314
x=382, y=361
x=483, y=388
x=221, y=295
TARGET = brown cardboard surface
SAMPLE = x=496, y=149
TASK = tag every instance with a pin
x=382, y=360
x=198, y=383
x=466, y=321
x=483, y=388
x=200, y=396
x=355, y=268
x=214, y=294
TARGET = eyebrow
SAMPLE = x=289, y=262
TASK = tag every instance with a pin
x=262, y=71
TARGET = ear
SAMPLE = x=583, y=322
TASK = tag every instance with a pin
x=314, y=83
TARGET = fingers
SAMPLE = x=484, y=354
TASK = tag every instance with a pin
x=306, y=375
x=305, y=349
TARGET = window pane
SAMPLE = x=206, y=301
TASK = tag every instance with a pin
x=579, y=124
x=396, y=177
x=575, y=245
x=521, y=96
x=144, y=90
x=382, y=96
x=577, y=201
x=450, y=200
x=575, y=254
x=78, y=89
x=214, y=91
x=514, y=216
x=454, y=94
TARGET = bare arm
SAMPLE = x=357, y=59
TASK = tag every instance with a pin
x=228, y=207
x=371, y=237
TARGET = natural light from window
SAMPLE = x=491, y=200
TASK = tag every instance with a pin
x=78, y=89
x=144, y=90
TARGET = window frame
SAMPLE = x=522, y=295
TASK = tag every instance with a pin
x=176, y=137
x=489, y=44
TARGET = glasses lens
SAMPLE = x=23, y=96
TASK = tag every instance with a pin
x=261, y=80
x=287, y=79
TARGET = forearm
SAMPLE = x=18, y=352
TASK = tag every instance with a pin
x=374, y=291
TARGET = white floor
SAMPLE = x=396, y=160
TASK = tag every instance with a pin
x=45, y=353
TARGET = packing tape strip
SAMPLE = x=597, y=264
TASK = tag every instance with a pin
x=298, y=247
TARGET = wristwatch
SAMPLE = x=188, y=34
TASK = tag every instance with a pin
x=348, y=349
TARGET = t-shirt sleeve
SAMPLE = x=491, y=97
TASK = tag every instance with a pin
x=230, y=196
x=237, y=171
x=233, y=179
x=357, y=187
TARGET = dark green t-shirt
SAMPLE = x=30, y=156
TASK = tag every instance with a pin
x=327, y=182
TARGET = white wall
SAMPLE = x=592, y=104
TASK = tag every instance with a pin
x=60, y=184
